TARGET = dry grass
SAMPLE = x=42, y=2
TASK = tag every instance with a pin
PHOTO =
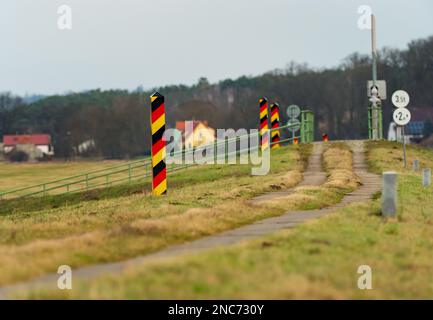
x=338, y=162
x=201, y=201
x=13, y=175
x=317, y=260
x=391, y=157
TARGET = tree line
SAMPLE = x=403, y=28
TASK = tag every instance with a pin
x=117, y=121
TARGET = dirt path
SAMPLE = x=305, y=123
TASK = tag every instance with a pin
x=314, y=175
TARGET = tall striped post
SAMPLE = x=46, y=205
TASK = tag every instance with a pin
x=264, y=126
x=275, y=123
x=157, y=123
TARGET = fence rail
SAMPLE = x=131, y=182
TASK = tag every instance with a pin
x=124, y=173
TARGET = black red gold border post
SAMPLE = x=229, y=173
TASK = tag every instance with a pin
x=275, y=123
x=264, y=123
x=157, y=123
x=325, y=137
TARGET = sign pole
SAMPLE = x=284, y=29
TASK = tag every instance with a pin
x=401, y=116
x=404, y=148
x=374, y=111
x=373, y=48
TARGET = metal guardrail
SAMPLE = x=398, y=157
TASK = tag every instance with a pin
x=132, y=171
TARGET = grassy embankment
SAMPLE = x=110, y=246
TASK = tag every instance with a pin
x=230, y=272
x=38, y=235
x=316, y=260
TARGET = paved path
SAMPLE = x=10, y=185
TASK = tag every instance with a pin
x=312, y=176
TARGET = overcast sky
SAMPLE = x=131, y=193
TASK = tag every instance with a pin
x=127, y=43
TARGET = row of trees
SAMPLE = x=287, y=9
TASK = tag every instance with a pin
x=118, y=120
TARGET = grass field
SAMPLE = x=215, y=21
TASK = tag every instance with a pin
x=38, y=235
x=316, y=260
x=13, y=175
x=201, y=201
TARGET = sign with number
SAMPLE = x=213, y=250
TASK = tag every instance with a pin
x=401, y=116
x=293, y=111
x=294, y=124
x=400, y=99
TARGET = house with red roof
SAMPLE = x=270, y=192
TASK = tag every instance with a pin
x=37, y=146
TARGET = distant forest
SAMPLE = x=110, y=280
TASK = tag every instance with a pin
x=118, y=120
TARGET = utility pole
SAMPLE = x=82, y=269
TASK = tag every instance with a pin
x=373, y=48
x=374, y=94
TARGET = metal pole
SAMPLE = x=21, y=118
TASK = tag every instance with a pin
x=374, y=111
x=404, y=149
x=415, y=165
x=373, y=48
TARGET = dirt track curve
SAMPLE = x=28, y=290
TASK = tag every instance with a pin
x=313, y=176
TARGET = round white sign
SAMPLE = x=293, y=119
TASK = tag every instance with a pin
x=401, y=116
x=294, y=124
x=293, y=111
x=400, y=99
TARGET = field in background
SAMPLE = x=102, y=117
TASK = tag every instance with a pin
x=319, y=259
x=13, y=175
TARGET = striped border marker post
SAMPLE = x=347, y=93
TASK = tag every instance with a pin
x=157, y=123
x=275, y=123
x=264, y=126
x=325, y=137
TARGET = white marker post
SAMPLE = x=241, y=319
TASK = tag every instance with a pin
x=401, y=116
x=426, y=180
x=389, y=194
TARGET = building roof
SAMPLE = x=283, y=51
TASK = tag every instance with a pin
x=36, y=139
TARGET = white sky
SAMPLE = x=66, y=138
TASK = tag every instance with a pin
x=126, y=43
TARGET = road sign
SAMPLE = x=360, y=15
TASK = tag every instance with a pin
x=294, y=125
x=381, y=85
x=400, y=99
x=401, y=116
x=293, y=111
